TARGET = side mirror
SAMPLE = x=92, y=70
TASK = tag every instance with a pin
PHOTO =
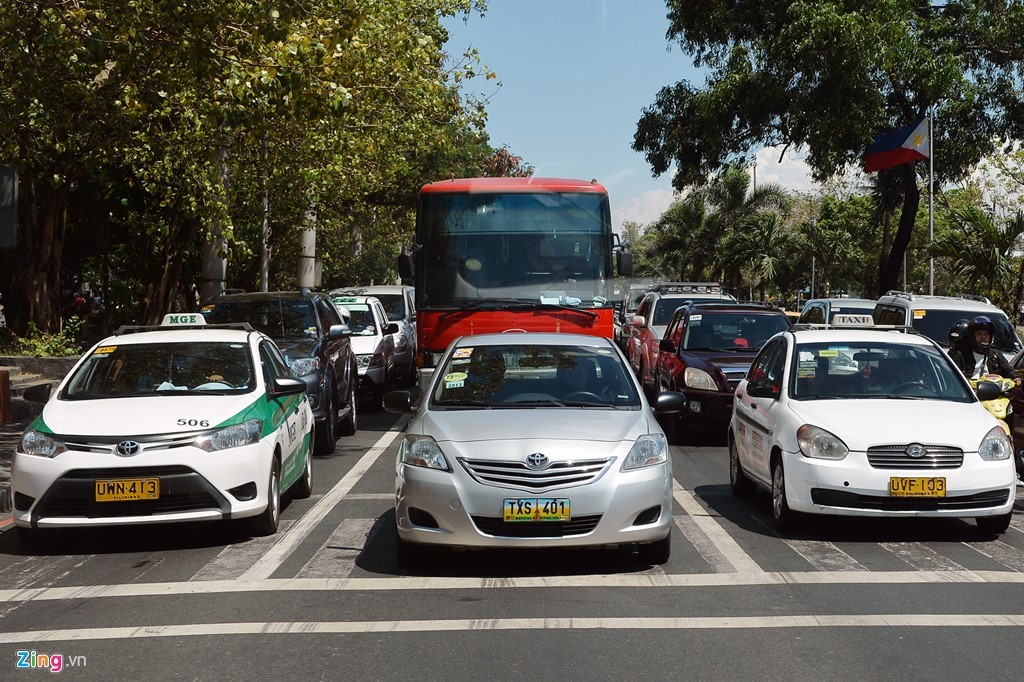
x=398, y=401
x=624, y=263
x=287, y=386
x=762, y=388
x=406, y=265
x=392, y=328
x=338, y=331
x=40, y=393
x=987, y=390
x=666, y=346
x=636, y=321
x=669, y=402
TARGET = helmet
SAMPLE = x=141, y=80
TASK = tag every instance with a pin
x=981, y=322
x=958, y=334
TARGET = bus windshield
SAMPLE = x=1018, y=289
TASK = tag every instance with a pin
x=540, y=247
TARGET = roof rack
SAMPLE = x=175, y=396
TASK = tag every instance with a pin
x=808, y=326
x=687, y=288
x=902, y=294
x=136, y=328
x=976, y=297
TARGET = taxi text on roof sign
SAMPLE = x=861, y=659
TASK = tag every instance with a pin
x=173, y=319
x=852, y=320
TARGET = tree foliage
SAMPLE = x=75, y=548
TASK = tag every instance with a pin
x=827, y=75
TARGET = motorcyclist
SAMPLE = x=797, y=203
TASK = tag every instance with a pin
x=957, y=335
x=974, y=354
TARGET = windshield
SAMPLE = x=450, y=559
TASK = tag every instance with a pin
x=935, y=324
x=545, y=247
x=277, y=319
x=850, y=309
x=731, y=331
x=361, y=319
x=875, y=370
x=534, y=376
x=150, y=369
x=394, y=306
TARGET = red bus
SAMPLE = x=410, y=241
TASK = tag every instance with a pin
x=511, y=254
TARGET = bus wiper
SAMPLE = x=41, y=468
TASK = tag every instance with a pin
x=481, y=304
x=516, y=304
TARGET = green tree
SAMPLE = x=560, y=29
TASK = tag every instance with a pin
x=827, y=75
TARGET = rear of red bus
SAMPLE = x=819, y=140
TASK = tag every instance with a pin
x=510, y=254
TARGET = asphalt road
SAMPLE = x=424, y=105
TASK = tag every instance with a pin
x=841, y=599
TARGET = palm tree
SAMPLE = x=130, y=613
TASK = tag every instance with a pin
x=759, y=247
x=981, y=250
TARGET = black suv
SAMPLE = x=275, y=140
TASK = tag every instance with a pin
x=315, y=342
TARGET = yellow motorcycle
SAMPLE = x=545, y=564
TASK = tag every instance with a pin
x=997, y=402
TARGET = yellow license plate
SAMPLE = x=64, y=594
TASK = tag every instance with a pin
x=917, y=487
x=125, y=489
x=537, y=509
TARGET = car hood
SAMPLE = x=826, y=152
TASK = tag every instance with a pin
x=540, y=424
x=152, y=414
x=728, y=362
x=878, y=421
x=296, y=347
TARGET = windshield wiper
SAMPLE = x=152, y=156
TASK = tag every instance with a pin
x=516, y=304
x=481, y=304
x=462, y=403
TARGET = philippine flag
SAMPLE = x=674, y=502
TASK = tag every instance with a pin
x=900, y=146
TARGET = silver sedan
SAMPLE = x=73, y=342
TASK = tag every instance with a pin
x=534, y=440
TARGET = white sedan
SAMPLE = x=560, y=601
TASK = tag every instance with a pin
x=867, y=422
x=183, y=422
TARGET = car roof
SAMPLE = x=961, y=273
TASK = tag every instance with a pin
x=267, y=296
x=939, y=302
x=838, y=300
x=534, y=339
x=170, y=335
x=370, y=290
x=350, y=298
x=840, y=335
x=725, y=306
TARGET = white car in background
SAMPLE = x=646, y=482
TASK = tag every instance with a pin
x=182, y=422
x=373, y=342
x=868, y=422
x=400, y=305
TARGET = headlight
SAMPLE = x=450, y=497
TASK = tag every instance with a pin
x=40, y=444
x=699, y=379
x=300, y=367
x=377, y=360
x=229, y=437
x=422, y=451
x=363, y=361
x=995, y=445
x=819, y=443
x=648, y=450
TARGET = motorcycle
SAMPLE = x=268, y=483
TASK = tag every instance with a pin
x=999, y=403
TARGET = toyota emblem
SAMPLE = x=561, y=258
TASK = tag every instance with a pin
x=537, y=461
x=916, y=451
x=127, y=448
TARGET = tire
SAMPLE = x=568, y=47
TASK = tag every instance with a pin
x=347, y=426
x=303, y=487
x=784, y=517
x=995, y=525
x=738, y=481
x=327, y=429
x=655, y=553
x=267, y=522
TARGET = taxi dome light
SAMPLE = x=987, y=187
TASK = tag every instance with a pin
x=853, y=320
x=179, y=319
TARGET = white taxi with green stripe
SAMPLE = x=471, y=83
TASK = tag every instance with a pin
x=181, y=422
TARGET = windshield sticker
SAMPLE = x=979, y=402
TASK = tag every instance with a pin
x=695, y=318
x=918, y=314
x=460, y=361
x=105, y=349
x=828, y=353
x=806, y=356
x=454, y=384
x=455, y=376
x=462, y=352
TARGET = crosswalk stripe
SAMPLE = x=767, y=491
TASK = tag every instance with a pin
x=292, y=628
x=1000, y=551
x=234, y=560
x=277, y=555
x=824, y=556
x=703, y=544
x=337, y=556
x=729, y=548
x=920, y=556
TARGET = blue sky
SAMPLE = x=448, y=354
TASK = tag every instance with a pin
x=575, y=77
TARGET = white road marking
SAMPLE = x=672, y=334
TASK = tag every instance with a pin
x=371, y=496
x=337, y=556
x=824, y=556
x=729, y=548
x=703, y=544
x=359, y=627
x=636, y=581
x=234, y=560
x=277, y=555
x=1000, y=551
x=921, y=557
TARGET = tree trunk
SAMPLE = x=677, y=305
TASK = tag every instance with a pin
x=160, y=296
x=31, y=271
x=889, y=276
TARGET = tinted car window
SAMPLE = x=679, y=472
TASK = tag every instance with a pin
x=721, y=330
x=275, y=318
x=394, y=305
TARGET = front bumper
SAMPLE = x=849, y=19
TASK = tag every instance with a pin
x=194, y=486
x=706, y=407
x=852, y=487
x=453, y=509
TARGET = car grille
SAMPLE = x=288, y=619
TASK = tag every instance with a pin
x=106, y=444
x=896, y=457
x=497, y=527
x=512, y=474
x=181, y=489
x=734, y=378
x=842, y=498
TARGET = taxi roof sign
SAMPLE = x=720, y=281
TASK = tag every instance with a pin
x=853, y=320
x=179, y=319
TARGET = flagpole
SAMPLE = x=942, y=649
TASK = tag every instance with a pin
x=931, y=195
